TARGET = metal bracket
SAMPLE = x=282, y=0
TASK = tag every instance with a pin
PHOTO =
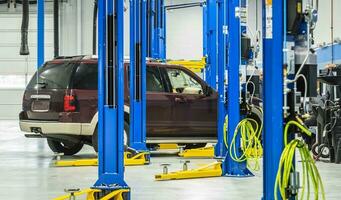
x=92, y=194
x=130, y=159
x=198, y=153
x=210, y=170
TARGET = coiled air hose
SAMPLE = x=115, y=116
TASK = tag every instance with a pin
x=251, y=145
x=311, y=176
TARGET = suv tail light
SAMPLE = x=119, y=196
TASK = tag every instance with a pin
x=69, y=103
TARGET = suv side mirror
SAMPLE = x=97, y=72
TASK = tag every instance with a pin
x=208, y=90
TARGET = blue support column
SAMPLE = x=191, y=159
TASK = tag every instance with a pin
x=211, y=43
x=137, y=75
x=230, y=167
x=150, y=27
x=41, y=33
x=110, y=96
x=220, y=148
x=160, y=33
x=156, y=31
x=273, y=92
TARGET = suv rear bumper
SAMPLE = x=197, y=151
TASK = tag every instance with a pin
x=46, y=127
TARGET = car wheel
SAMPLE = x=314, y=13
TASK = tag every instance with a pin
x=67, y=148
x=125, y=137
x=95, y=140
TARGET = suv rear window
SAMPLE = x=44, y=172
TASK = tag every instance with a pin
x=52, y=76
x=86, y=77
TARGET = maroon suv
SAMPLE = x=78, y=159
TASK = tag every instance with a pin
x=60, y=104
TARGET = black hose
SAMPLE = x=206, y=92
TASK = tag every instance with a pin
x=24, y=28
x=94, y=29
x=56, y=27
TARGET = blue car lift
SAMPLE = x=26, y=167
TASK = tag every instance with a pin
x=156, y=29
x=137, y=75
x=273, y=38
x=229, y=39
x=210, y=42
x=41, y=32
x=110, y=99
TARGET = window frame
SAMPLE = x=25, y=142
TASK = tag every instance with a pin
x=186, y=71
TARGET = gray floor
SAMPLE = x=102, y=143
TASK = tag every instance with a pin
x=26, y=173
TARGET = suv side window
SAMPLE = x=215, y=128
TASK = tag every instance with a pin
x=154, y=81
x=183, y=83
x=86, y=77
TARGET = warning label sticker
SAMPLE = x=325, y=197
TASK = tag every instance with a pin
x=269, y=24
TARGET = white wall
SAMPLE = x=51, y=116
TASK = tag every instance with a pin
x=16, y=70
x=184, y=29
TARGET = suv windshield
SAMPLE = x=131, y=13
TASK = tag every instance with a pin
x=52, y=76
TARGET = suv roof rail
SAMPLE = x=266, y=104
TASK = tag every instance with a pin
x=67, y=57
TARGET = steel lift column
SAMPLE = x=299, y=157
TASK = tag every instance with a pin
x=41, y=32
x=138, y=75
x=231, y=167
x=156, y=29
x=220, y=148
x=110, y=98
x=273, y=39
x=210, y=42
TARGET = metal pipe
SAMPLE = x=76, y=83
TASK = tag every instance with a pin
x=24, y=28
x=41, y=32
x=332, y=27
x=56, y=27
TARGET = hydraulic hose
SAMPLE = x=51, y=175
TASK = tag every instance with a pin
x=24, y=28
x=251, y=146
x=311, y=176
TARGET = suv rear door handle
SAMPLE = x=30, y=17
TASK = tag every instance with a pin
x=179, y=100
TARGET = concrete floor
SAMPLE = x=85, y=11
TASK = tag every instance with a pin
x=26, y=173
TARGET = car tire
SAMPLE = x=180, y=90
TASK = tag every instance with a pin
x=68, y=149
x=95, y=137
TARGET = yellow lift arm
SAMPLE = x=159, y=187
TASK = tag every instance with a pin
x=129, y=160
x=193, y=65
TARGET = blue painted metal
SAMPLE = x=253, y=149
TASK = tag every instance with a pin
x=230, y=167
x=110, y=96
x=41, y=33
x=210, y=46
x=220, y=148
x=150, y=27
x=273, y=94
x=137, y=74
x=324, y=55
x=156, y=29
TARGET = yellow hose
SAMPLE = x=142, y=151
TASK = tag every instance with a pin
x=251, y=145
x=311, y=176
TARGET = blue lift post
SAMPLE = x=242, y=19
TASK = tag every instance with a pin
x=156, y=29
x=273, y=38
x=41, y=32
x=138, y=44
x=210, y=42
x=220, y=147
x=231, y=167
x=110, y=97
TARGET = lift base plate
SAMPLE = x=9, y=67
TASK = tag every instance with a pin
x=91, y=194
